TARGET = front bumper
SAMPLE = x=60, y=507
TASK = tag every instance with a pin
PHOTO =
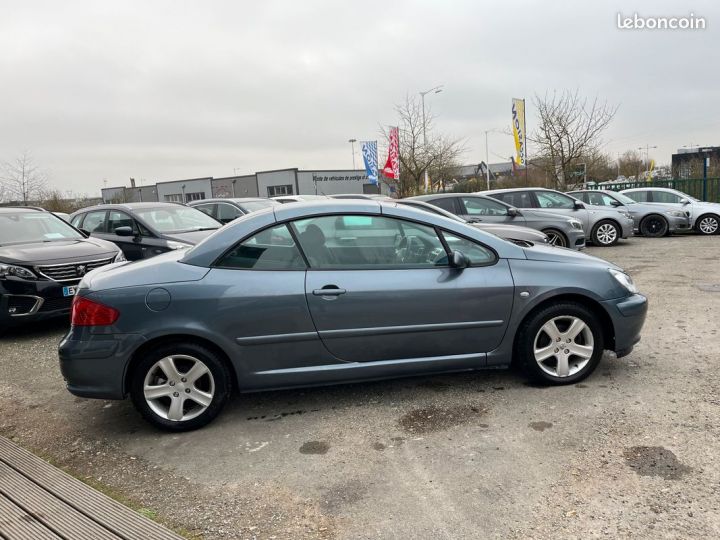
x=95, y=365
x=576, y=239
x=628, y=316
x=25, y=300
x=628, y=227
x=678, y=224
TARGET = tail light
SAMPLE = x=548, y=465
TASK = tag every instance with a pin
x=88, y=313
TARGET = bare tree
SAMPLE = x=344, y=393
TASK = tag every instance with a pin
x=570, y=127
x=438, y=156
x=631, y=164
x=21, y=179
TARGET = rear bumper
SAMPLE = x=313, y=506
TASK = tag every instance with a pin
x=628, y=316
x=95, y=365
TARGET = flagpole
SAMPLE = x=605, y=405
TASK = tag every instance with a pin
x=527, y=159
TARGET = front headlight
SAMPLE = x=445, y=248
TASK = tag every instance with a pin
x=18, y=271
x=623, y=279
x=177, y=245
x=120, y=257
x=576, y=224
x=675, y=213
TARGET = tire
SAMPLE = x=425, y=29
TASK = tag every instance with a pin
x=708, y=224
x=535, y=350
x=556, y=238
x=654, y=226
x=162, y=372
x=606, y=233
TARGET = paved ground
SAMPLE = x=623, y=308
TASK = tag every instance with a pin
x=634, y=451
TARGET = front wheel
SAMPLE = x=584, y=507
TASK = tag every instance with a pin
x=708, y=224
x=556, y=238
x=180, y=386
x=561, y=344
x=654, y=226
x=605, y=233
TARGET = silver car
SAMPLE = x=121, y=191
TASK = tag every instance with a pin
x=338, y=291
x=603, y=226
x=704, y=216
x=561, y=230
x=653, y=220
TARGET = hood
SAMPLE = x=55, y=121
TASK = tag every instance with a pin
x=515, y=232
x=542, y=214
x=192, y=237
x=57, y=251
x=544, y=252
x=160, y=269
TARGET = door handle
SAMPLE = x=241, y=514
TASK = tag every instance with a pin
x=329, y=290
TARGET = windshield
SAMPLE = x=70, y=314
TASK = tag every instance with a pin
x=432, y=209
x=623, y=198
x=254, y=206
x=28, y=227
x=176, y=219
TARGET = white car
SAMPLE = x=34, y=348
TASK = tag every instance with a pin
x=704, y=216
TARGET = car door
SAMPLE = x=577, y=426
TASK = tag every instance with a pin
x=207, y=208
x=487, y=211
x=93, y=223
x=559, y=203
x=380, y=288
x=130, y=245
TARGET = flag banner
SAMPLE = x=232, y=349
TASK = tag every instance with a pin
x=392, y=166
x=370, y=156
x=518, y=126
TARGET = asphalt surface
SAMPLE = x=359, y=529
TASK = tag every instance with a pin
x=633, y=451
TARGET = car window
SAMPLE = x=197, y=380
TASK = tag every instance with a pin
x=478, y=254
x=549, y=199
x=75, y=222
x=205, y=208
x=368, y=242
x=478, y=206
x=638, y=196
x=177, y=218
x=94, y=221
x=598, y=199
x=581, y=196
x=446, y=203
x=254, y=206
x=270, y=249
x=518, y=199
x=120, y=219
x=665, y=197
x=227, y=212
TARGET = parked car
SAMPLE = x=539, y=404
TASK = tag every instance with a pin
x=603, y=226
x=649, y=219
x=333, y=292
x=359, y=196
x=226, y=210
x=143, y=230
x=42, y=259
x=512, y=233
x=284, y=199
x=476, y=208
x=704, y=216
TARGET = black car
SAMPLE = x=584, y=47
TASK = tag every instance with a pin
x=143, y=230
x=226, y=210
x=42, y=259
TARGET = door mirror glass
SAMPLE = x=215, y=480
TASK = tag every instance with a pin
x=459, y=260
x=124, y=231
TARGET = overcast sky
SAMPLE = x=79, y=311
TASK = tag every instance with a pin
x=167, y=90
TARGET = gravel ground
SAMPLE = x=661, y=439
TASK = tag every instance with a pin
x=633, y=451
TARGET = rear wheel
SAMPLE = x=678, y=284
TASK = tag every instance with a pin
x=556, y=238
x=180, y=386
x=708, y=224
x=654, y=226
x=605, y=233
x=561, y=344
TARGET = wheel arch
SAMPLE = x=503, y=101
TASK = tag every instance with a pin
x=557, y=231
x=175, y=338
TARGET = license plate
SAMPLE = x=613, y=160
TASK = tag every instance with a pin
x=69, y=291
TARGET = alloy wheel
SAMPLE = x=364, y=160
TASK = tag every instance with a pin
x=606, y=234
x=708, y=225
x=563, y=346
x=179, y=388
x=555, y=239
x=654, y=226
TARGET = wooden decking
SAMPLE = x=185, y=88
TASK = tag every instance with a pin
x=39, y=501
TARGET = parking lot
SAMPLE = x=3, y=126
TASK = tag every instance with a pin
x=630, y=452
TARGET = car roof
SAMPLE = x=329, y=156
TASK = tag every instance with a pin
x=230, y=199
x=129, y=206
x=14, y=209
x=510, y=190
x=428, y=196
x=652, y=188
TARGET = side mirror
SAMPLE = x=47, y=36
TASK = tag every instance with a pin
x=513, y=212
x=616, y=203
x=578, y=205
x=684, y=201
x=124, y=231
x=459, y=260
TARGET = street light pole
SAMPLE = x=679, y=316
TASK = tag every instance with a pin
x=487, y=160
x=434, y=90
x=352, y=146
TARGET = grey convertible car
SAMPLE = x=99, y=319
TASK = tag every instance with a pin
x=651, y=220
x=326, y=292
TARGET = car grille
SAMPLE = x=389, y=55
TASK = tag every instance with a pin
x=70, y=271
x=53, y=304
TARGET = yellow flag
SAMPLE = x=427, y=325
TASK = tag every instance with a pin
x=518, y=126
